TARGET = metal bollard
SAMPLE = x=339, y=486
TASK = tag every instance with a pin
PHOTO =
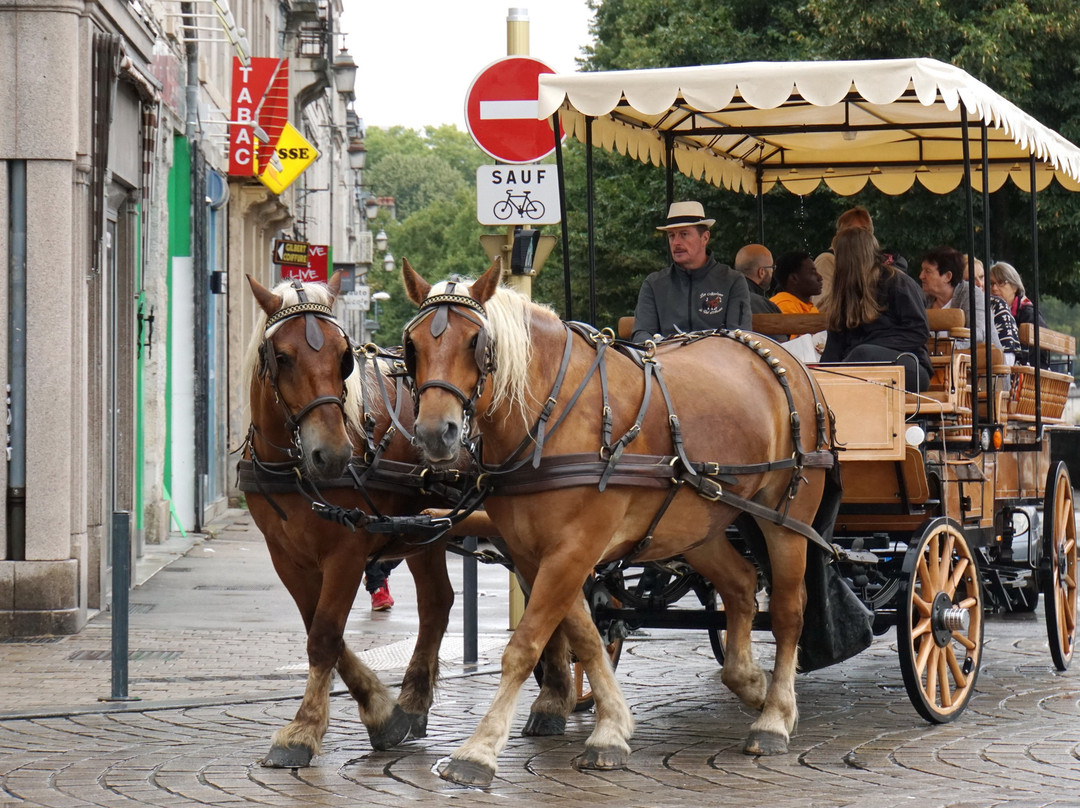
x=121, y=588
x=469, y=584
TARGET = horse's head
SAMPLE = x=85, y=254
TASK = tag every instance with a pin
x=450, y=354
x=298, y=377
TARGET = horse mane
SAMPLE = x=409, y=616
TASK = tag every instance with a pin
x=316, y=293
x=509, y=317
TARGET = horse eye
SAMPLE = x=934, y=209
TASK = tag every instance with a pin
x=282, y=359
x=473, y=341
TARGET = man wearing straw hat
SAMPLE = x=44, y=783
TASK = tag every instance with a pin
x=695, y=292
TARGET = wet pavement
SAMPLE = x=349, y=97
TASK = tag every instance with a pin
x=217, y=663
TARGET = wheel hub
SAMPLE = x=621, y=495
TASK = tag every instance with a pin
x=945, y=618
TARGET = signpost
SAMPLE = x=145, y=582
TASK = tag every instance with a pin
x=517, y=195
x=291, y=156
x=501, y=107
x=290, y=253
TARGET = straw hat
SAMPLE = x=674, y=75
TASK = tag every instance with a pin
x=686, y=214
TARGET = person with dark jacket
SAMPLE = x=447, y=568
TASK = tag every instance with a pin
x=755, y=263
x=875, y=313
x=695, y=292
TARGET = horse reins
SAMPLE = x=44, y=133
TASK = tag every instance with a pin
x=517, y=474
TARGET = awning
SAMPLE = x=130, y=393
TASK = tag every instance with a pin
x=890, y=122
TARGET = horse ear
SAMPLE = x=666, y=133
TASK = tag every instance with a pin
x=485, y=287
x=415, y=287
x=267, y=300
x=334, y=284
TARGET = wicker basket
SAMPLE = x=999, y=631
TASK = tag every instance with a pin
x=1055, y=392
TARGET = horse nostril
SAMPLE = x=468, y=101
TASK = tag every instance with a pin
x=317, y=458
x=451, y=432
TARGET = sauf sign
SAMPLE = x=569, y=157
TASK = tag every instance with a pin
x=517, y=194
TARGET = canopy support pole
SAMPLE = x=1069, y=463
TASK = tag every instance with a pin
x=590, y=212
x=970, y=200
x=760, y=207
x=988, y=323
x=669, y=178
x=556, y=127
x=1036, y=359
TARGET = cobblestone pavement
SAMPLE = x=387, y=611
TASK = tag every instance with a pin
x=859, y=741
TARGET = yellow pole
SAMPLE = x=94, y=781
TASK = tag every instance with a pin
x=517, y=44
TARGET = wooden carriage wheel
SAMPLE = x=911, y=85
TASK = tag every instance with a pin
x=1059, y=586
x=940, y=622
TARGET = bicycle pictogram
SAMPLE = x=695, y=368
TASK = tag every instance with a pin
x=521, y=203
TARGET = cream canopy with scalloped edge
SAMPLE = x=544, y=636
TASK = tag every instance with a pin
x=890, y=122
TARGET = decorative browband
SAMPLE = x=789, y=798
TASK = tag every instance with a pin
x=454, y=300
x=299, y=308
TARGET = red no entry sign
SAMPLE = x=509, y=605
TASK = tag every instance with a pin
x=500, y=110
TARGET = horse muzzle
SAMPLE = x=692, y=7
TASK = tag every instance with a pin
x=440, y=441
x=324, y=459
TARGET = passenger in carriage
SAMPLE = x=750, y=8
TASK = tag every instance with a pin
x=999, y=312
x=875, y=312
x=943, y=282
x=857, y=216
x=1006, y=283
x=694, y=292
x=798, y=282
x=755, y=263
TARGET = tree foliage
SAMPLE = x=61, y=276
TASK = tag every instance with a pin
x=1027, y=50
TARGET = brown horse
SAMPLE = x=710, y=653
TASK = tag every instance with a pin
x=717, y=436
x=308, y=421
x=313, y=410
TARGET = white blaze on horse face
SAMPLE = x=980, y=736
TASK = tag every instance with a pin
x=440, y=419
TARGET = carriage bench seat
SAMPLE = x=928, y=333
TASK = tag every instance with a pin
x=1053, y=386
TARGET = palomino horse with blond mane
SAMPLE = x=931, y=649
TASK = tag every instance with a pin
x=329, y=428
x=595, y=453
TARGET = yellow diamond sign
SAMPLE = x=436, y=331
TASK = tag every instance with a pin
x=292, y=155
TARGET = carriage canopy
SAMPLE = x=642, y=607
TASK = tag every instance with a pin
x=749, y=126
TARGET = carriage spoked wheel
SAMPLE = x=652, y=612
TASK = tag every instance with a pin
x=940, y=622
x=710, y=600
x=1059, y=586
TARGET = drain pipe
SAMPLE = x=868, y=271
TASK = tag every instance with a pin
x=16, y=450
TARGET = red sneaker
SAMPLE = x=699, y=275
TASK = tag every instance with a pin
x=381, y=600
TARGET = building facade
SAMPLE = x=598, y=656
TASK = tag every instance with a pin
x=124, y=247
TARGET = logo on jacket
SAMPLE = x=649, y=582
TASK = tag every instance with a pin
x=711, y=302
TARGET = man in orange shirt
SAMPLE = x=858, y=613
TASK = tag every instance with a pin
x=798, y=281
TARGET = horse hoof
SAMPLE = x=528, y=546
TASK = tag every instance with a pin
x=765, y=743
x=293, y=756
x=417, y=724
x=393, y=732
x=541, y=724
x=466, y=773
x=603, y=759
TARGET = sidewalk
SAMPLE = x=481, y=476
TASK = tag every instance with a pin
x=210, y=621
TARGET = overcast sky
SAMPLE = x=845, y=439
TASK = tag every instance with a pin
x=418, y=57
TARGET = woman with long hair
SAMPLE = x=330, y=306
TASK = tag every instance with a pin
x=875, y=312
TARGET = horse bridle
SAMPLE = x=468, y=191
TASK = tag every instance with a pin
x=312, y=312
x=438, y=308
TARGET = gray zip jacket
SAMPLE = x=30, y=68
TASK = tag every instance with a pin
x=674, y=300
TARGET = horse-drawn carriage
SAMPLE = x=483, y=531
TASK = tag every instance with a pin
x=622, y=470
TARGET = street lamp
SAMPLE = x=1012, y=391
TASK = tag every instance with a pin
x=357, y=154
x=344, y=68
x=371, y=207
x=380, y=297
x=388, y=263
x=381, y=241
